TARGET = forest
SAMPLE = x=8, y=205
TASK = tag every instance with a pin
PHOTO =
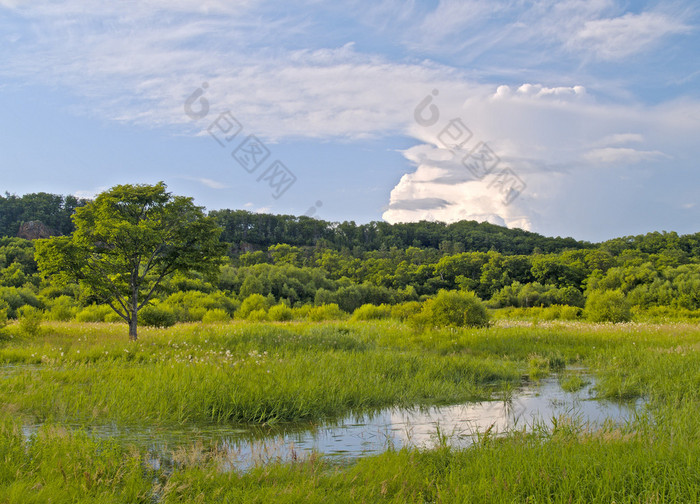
x=298, y=263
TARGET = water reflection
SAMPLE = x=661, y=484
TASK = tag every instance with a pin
x=359, y=435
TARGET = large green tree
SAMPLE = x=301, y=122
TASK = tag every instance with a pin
x=127, y=241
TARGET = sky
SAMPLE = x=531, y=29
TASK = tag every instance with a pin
x=568, y=118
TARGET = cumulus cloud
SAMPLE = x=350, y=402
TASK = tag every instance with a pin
x=554, y=139
x=419, y=204
x=422, y=196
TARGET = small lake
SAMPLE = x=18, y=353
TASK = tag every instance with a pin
x=360, y=435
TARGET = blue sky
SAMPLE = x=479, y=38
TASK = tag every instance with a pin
x=573, y=118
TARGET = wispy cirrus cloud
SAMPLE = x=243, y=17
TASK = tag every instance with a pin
x=623, y=155
x=619, y=37
x=207, y=182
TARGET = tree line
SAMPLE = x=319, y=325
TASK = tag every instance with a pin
x=243, y=230
x=201, y=276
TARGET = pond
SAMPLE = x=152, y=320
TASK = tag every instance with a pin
x=372, y=433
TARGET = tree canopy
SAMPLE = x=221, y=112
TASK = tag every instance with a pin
x=127, y=241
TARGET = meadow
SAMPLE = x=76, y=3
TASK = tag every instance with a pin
x=268, y=373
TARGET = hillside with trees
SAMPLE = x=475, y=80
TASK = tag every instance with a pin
x=298, y=263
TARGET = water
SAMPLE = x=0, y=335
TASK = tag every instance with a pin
x=360, y=435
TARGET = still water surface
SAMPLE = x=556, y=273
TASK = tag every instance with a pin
x=359, y=435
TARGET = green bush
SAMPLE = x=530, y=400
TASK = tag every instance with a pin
x=63, y=308
x=257, y=315
x=280, y=313
x=405, y=311
x=113, y=317
x=93, y=313
x=326, y=312
x=561, y=312
x=191, y=306
x=455, y=308
x=252, y=303
x=664, y=314
x=301, y=312
x=607, y=306
x=15, y=298
x=372, y=312
x=216, y=315
x=158, y=315
x=30, y=320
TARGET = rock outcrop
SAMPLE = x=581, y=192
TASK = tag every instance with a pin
x=34, y=230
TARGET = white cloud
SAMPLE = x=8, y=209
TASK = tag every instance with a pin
x=554, y=138
x=622, y=155
x=141, y=71
x=419, y=196
x=617, y=38
x=620, y=139
x=89, y=193
x=207, y=182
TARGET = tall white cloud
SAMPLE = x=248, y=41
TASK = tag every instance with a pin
x=556, y=140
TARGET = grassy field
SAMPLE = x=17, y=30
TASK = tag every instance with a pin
x=269, y=373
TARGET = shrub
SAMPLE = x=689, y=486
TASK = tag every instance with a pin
x=93, y=313
x=193, y=313
x=113, y=317
x=16, y=298
x=253, y=303
x=561, y=312
x=280, y=313
x=216, y=315
x=62, y=308
x=157, y=316
x=406, y=310
x=257, y=315
x=301, y=312
x=455, y=308
x=191, y=306
x=607, y=306
x=30, y=320
x=664, y=314
x=372, y=312
x=326, y=312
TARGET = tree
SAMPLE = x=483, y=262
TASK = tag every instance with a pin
x=127, y=241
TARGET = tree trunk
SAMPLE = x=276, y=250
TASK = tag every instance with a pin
x=134, y=320
x=133, y=328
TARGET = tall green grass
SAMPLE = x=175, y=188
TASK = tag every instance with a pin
x=243, y=373
x=220, y=373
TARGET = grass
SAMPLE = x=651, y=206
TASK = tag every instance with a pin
x=573, y=383
x=219, y=373
x=241, y=372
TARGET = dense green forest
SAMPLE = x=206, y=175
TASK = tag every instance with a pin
x=296, y=263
